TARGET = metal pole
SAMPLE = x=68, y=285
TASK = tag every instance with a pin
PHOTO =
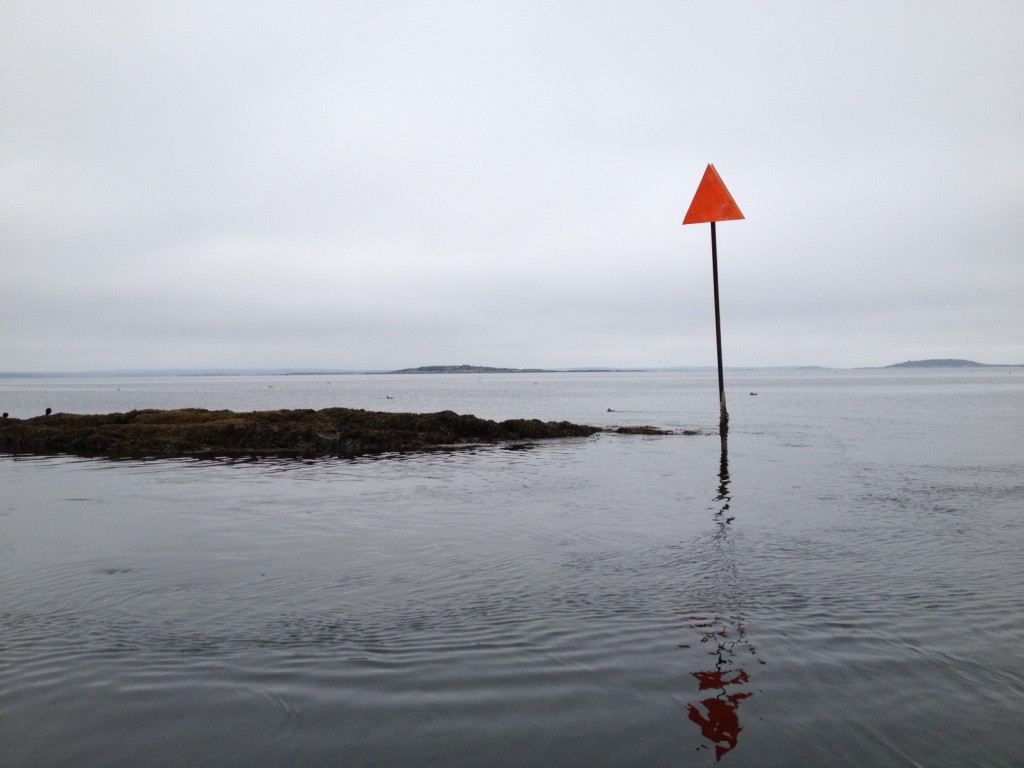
x=723, y=423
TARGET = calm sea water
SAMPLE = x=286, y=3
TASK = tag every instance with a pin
x=844, y=585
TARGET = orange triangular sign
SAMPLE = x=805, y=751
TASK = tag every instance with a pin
x=712, y=202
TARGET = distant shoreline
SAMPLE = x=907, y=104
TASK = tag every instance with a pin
x=488, y=369
x=475, y=369
x=944, y=363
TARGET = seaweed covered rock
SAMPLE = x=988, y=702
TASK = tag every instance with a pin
x=342, y=432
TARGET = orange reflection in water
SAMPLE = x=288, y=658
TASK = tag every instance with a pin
x=718, y=716
x=720, y=721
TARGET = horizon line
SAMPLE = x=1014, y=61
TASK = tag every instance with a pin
x=421, y=370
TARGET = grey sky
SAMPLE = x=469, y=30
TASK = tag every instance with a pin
x=387, y=184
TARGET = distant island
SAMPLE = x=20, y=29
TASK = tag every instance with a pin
x=489, y=369
x=941, y=363
x=467, y=369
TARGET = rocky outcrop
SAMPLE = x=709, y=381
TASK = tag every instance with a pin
x=342, y=432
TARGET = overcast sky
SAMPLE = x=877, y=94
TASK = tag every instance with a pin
x=388, y=184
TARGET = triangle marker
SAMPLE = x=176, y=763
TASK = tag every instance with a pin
x=712, y=201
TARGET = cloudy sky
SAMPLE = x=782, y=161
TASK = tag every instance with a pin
x=378, y=184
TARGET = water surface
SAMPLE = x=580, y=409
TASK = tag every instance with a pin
x=843, y=586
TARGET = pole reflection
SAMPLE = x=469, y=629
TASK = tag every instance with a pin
x=717, y=715
x=722, y=517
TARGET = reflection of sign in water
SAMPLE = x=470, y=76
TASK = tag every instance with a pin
x=717, y=715
x=721, y=723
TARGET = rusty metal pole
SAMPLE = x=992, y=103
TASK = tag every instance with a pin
x=723, y=422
